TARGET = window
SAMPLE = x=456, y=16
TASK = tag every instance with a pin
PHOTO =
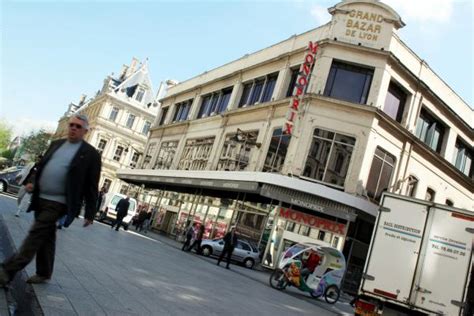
x=130, y=120
x=335, y=241
x=412, y=184
x=124, y=189
x=146, y=128
x=429, y=130
x=348, y=82
x=182, y=111
x=395, y=102
x=113, y=114
x=140, y=94
x=294, y=75
x=430, y=194
x=134, y=160
x=214, y=103
x=101, y=146
x=118, y=153
x=380, y=173
x=106, y=184
x=149, y=154
x=462, y=158
x=164, y=111
x=243, y=246
x=166, y=155
x=196, y=154
x=277, y=151
x=259, y=90
x=237, y=150
x=321, y=235
x=449, y=202
x=329, y=157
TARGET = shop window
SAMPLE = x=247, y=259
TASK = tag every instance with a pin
x=395, y=102
x=412, y=184
x=290, y=226
x=130, y=120
x=113, y=114
x=304, y=230
x=463, y=158
x=149, y=154
x=335, y=241
x=292, y=85
x=118, y=153
x=258, y=91
x=164, y=111
x=329, y=157
x=101, y=146
x=348, y=82
x=276, y=153
x=380, y=173
x=430, y=130
x=237, y=151
x=182, y=111
x=166, y=155
x=196, y=154
x=146, y=128
x=449, y=202
x=430, y=195
x=214, y=103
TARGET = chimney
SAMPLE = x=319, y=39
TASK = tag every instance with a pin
x=133, y=66
x=82, y=99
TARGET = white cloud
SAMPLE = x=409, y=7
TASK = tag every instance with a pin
x=24, y=125
x=321, y=14
x=423, y=11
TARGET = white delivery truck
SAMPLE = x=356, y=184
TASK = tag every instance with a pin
x=419, y=259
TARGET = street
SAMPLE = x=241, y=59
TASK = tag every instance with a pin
x=99, y=271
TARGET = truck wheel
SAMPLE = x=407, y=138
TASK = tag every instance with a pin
x=332, y=293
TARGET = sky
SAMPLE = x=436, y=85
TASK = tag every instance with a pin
x=53, y=51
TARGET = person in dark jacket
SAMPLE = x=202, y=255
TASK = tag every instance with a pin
x=122, y=210
x=67, y=175
x=197, y=241
x=141, y=219
x=230, y=241
x=190, y=233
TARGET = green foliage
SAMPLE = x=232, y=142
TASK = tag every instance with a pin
x=8, y=154
x=5, y=135
x=36, y=143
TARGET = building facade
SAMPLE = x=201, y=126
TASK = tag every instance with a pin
x=120, y=118
x=297, y=143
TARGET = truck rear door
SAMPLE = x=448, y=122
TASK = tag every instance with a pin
x=443, y=272
x=396, y=244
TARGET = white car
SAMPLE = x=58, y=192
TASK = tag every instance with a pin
x=244, y=252
x=108, y=210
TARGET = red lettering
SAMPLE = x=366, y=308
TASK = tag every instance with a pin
x=292, y=116
x=299, y=91
x=288, y=128
x=285, y=213
x=309, y=59
x=313, y=47
x=296, y=104
x=306, y=69
x=302, y=81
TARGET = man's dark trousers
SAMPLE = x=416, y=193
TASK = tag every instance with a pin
x=41, y=241
x=118, y=222
x=226, y=251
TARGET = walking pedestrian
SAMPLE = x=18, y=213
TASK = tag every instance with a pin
x=230, y=241
x=141, y=219
x=190, y=232
x=26, y=179
x=146, y=223
x=68, y=174
x=122, y=210
x=197, y=241
x=101, y=201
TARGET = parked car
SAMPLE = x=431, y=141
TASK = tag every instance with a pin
x=107, y=213
x=8, y=179
x=244, y=252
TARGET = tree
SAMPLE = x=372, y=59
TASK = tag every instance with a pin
x=5, y=135
x=36, y=143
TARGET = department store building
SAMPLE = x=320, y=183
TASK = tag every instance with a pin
x=298, y=141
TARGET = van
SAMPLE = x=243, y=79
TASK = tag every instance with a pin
x=108, y=213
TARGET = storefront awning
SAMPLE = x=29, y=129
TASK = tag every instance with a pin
x=291, y=190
